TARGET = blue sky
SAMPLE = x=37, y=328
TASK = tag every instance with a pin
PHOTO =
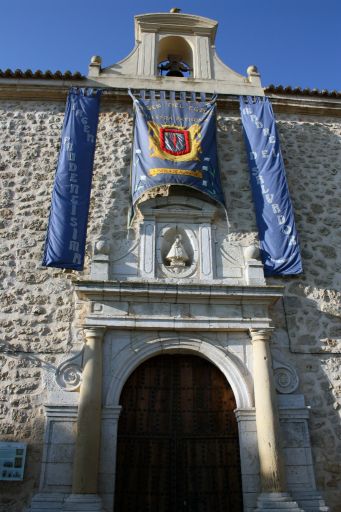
x=296, y=42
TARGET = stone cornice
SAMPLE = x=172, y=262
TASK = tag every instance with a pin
x=177, y=294
x=56, y=90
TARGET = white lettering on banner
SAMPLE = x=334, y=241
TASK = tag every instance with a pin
x=86, y=128
x=74, y=246
x=73, y=170
x=77, y=258
x=68, y=144
x=286, y=230
x=265, y=190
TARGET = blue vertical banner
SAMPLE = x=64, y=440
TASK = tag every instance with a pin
x=66, y=234
x=278, y=237
x=175, y=144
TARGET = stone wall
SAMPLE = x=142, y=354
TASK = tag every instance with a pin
x=37, y=307
x=37, y=318
x=307, y=320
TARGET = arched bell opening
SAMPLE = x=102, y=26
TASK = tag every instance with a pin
x=175, y=57
x=178, y=447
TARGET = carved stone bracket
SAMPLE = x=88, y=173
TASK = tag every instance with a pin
x=69, y=373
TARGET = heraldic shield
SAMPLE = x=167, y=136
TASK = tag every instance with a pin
x=175, y=144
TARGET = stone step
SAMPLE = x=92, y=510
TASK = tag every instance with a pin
x=277, y=501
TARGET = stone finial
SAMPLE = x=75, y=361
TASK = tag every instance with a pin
x=251, y=252
x=102, y=246
x=175, y=10
x=252, y=71
x=96, y=60
x=95, y=65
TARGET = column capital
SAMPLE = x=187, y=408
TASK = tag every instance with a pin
x=261, y=334
x=92, y=332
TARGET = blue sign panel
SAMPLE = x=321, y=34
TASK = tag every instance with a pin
x=274, y=214
x=66, y=234
x=175, y=144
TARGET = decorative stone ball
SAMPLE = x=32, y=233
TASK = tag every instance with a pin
x=251, y=252
x=102, y=247
x=252, y=70
x=96, y=59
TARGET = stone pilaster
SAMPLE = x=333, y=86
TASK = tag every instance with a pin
x=271, y=462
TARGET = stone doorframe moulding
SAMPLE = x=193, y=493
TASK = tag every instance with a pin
x=143, y=347
x=235, y=372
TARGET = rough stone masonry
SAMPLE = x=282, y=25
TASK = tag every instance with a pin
x=37, y=304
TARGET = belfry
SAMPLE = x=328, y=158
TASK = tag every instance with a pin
x=181, y=379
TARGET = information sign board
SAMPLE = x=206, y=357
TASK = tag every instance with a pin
x=12, y=460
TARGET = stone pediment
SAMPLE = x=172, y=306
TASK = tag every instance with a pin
x=192, y=38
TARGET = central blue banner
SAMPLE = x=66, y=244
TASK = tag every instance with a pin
x=274, y=214
x=175, y=144
x=66, y=234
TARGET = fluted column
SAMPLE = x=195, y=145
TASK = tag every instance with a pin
x=267, y=418
x=86, y=461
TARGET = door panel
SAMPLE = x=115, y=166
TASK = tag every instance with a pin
x=178, y=439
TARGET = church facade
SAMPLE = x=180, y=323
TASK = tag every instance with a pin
x=170, y=375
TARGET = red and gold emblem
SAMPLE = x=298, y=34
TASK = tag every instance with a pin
x=174, y=143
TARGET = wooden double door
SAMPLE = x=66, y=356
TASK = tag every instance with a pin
x=178, y=439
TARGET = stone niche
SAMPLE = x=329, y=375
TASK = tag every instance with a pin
x=176, y=238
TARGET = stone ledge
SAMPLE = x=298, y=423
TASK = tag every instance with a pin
x=165, y=290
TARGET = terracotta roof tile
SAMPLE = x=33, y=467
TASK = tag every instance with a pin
x=298, y=91
x=40, y=75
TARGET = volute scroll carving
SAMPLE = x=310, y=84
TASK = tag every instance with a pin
x=285, y=377
x=69, y=373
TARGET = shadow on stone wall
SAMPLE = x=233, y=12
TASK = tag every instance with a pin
x=15, y=496
x=307, y=321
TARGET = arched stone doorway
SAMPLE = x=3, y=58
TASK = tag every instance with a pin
x=178, y=444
